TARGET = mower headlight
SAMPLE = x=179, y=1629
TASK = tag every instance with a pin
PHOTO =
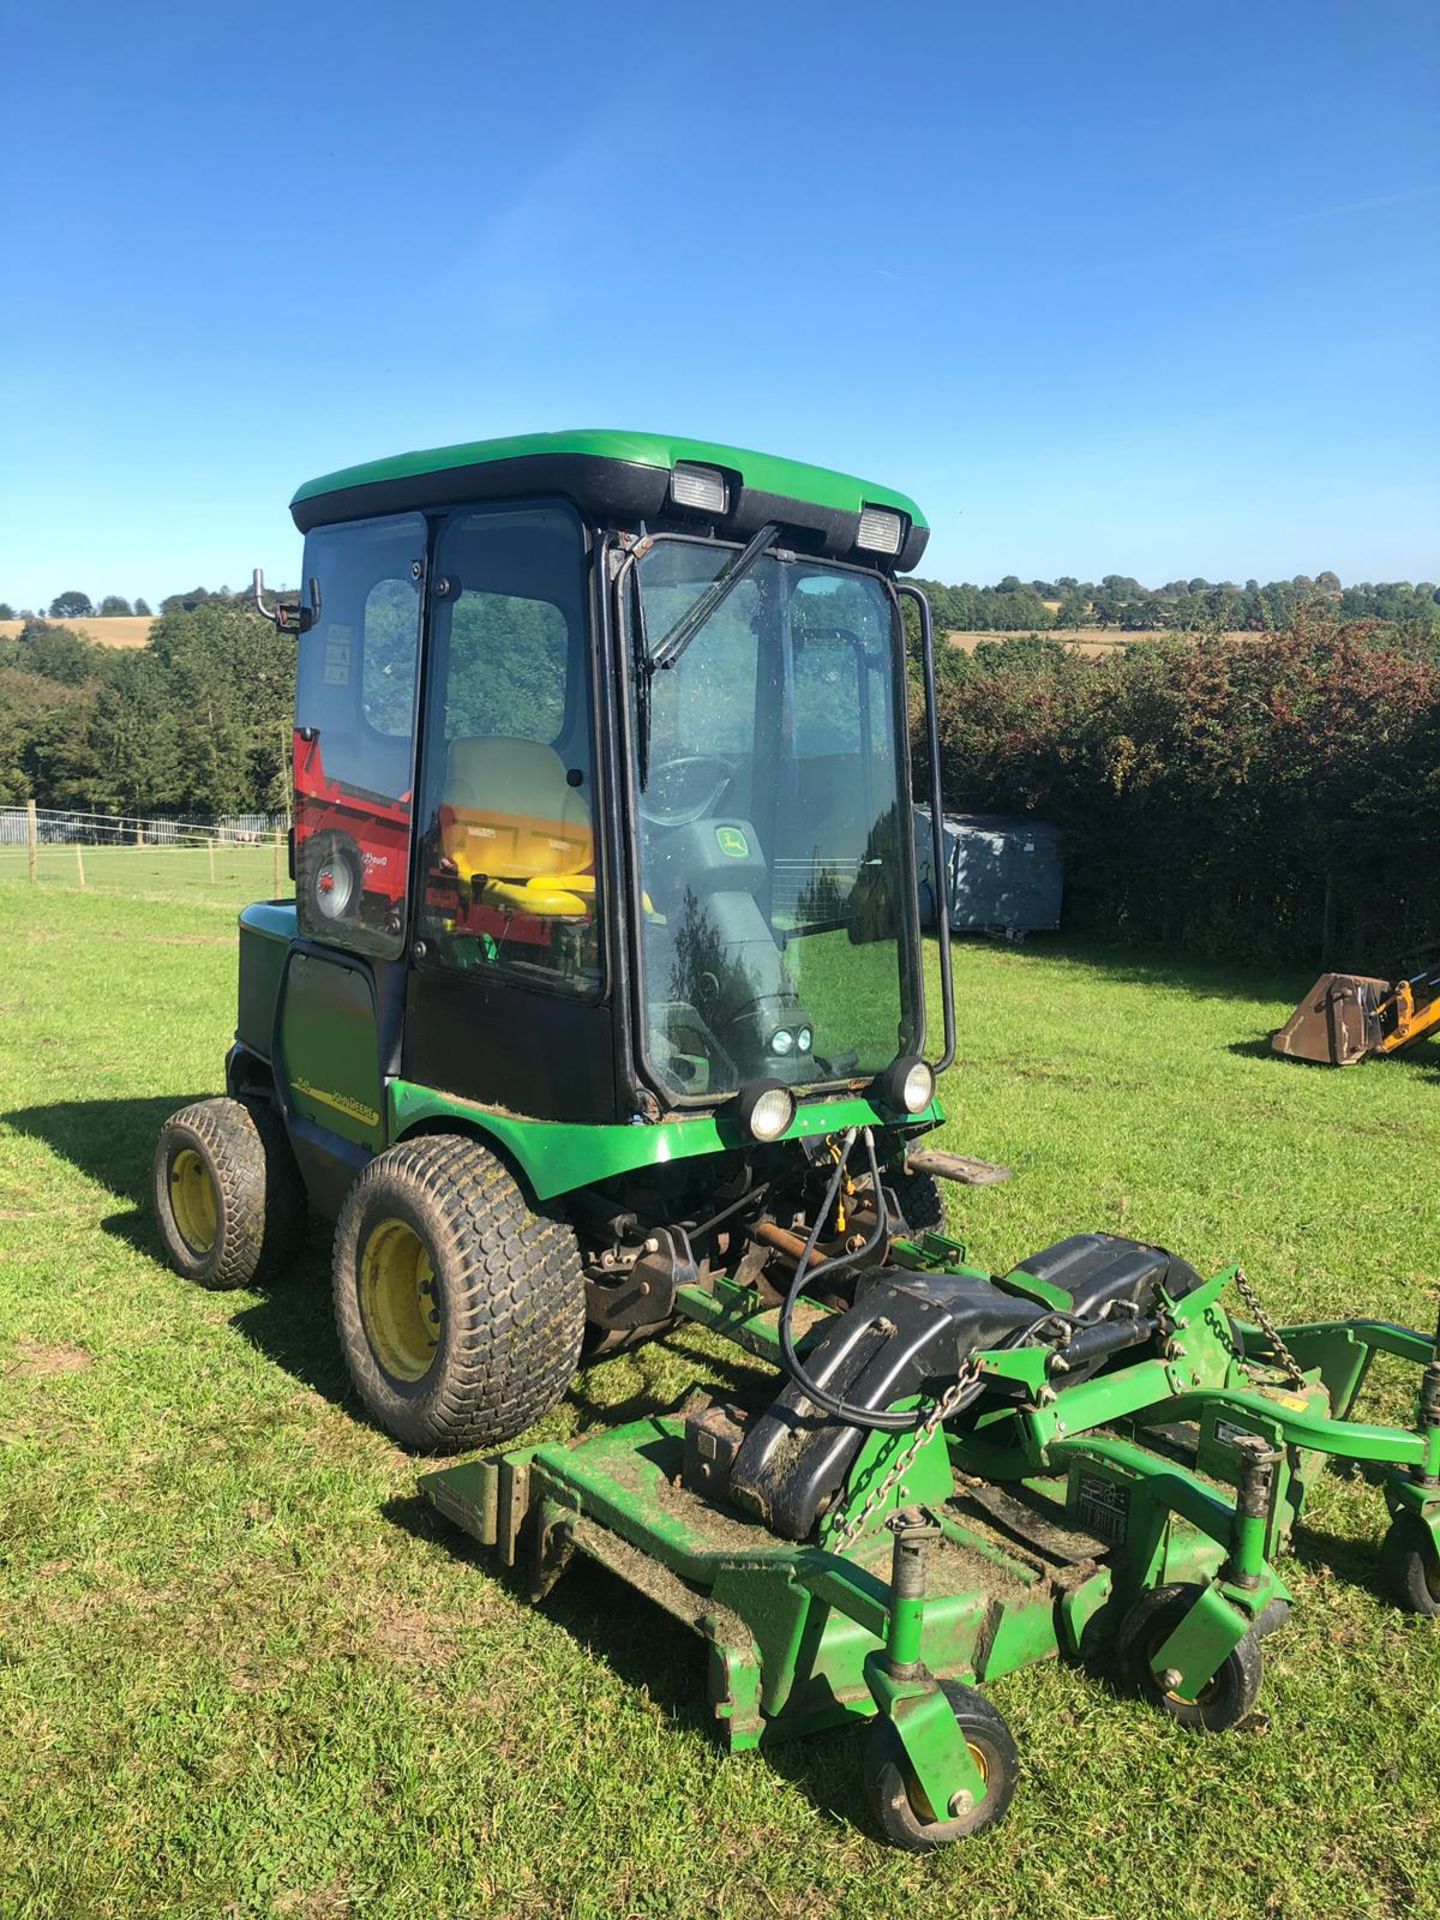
x=908, y=1085
x=699, y=487
x=782, y=1041
x=804, y=1040
x=766, y=1109
x=880, y=531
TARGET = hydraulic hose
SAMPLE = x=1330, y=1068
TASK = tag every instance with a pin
x=805, y=1274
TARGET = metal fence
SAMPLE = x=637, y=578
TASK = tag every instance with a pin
x=224, y=862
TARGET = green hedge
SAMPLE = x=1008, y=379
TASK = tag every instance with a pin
x=1276, y=798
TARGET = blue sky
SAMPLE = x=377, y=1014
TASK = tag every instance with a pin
x=1113, y=288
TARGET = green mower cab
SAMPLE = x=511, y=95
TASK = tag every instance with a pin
x=600, y=1007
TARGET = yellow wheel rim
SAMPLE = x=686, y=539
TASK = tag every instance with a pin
x=194, y=1201
x=920, y=1800
x=399, y=1301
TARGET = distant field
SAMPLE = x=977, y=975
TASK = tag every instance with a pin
x=1092, y=641
x=123, y=632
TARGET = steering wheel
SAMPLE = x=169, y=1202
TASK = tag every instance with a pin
x=670, y=780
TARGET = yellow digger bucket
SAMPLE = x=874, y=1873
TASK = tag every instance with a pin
x=1336, y=1023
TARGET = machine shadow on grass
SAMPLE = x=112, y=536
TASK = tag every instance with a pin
x=111, y=1141
x=652, y=1654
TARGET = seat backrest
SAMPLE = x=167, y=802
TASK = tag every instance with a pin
x=508, y=810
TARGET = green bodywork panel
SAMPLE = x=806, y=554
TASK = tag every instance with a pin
x=556, y=1158
x=328, y=1059
x=266, y=930
x=791, y=479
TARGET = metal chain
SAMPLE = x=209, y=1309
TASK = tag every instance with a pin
x=1267, y=1326
x=949, y=1402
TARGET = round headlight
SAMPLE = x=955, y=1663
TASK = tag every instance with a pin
x=766, y=1109
x=804, y=1040
x=782, y=1041
x=907, y=1085
x=919, y=1089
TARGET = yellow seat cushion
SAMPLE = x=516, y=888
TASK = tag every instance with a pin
x=508, y=812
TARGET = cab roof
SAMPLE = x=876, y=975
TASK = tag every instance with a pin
x=621, y=478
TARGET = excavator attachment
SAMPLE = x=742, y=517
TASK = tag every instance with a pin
x=1337, y=1022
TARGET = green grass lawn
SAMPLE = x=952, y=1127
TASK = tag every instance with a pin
x=243, y=1671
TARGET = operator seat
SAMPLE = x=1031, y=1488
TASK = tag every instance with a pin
x=511, y=820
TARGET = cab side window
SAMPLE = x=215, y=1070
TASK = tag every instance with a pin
x=355, y=733
x=509, y=800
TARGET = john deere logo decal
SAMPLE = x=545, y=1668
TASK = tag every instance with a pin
x=733, y=842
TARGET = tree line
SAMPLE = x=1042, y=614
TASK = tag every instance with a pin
x=1013, y=605
x=72, y=604
x=1277, y=797
x=1181, y=606
x=196, y=723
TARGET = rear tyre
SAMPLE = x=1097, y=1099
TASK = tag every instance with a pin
x=228, y=1196
x=1411, y=1568
x=329, y=878
x=1225, y=1699
x=903, y=1814
x=460, y=1310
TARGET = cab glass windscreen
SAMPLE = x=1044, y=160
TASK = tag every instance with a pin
x=777, y=927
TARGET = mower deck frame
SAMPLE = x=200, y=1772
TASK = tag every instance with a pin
x=1045, y=1522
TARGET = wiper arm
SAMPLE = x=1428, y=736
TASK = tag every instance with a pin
x=671, y=645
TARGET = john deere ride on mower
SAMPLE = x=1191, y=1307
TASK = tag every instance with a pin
x=600, y=1007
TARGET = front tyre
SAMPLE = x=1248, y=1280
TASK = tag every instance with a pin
x=900, y=1809
x=460, y=1310
x=228, y=1197
x=921, y=1201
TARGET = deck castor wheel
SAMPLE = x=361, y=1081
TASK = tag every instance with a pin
x=904, y=1815
x=1225, y=1699
x=1411, y=1565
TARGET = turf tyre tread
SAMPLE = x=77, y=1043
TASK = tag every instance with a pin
x=260, y=1195
x=511, y=1294
x=920, y=1200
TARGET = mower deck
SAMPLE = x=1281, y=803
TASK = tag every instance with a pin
x=1139, y=1512
x=1012, y=1578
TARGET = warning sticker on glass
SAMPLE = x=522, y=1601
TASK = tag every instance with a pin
x=337, y=654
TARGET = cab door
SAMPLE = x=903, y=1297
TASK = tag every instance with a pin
x=342, y=994
x=506, y=995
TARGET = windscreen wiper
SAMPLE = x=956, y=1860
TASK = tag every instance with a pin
x=671, y=645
